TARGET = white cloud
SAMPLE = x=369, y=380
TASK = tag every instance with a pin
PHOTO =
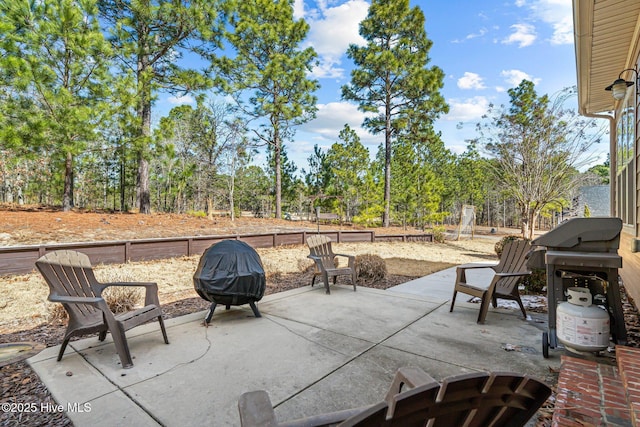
x=467, y=109
x=471, y=81
x=481, y=32
x=327, y=68
x=298, y=9
x=332, y=30
x=563, y=31
x=324, y=130
x=331, y=118
x=523, y=34
x=514, y=77
x=558, y=14
x=180, y=100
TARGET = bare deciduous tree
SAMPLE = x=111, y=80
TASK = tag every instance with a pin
x=537, y=146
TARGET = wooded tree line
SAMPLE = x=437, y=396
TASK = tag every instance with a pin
x=78, y=80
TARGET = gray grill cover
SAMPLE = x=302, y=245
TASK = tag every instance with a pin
x=596, y=234
x=230, y=270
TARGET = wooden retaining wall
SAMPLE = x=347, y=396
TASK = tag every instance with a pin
x=21, y=259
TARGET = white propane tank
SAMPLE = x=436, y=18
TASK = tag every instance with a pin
x=580, y=325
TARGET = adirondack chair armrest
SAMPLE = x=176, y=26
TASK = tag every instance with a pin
x=151, y=290
x=461, y=276
x=330, y=419
x=516, y=273
x=75, y=300
x=142, y=284
x=256, y=410
x=345, y=255
x=475, y=265
x=351, y=258
x=97, y=302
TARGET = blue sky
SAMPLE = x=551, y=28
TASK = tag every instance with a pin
x=484, y=48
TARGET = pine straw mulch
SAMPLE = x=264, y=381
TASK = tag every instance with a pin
x=19, y=384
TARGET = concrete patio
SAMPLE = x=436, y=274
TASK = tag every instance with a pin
x=312, y=352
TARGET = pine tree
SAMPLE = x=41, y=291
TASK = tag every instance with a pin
x=391, y=76
x=270, y=66
x=149, y=37
x=55, y=59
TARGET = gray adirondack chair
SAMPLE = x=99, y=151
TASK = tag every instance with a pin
x=72, y=283
x=415, y=399
x=504, y=285
x=325, y=261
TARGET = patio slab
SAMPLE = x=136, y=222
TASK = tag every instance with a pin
x=312, y=352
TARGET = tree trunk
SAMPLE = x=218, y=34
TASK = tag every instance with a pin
x=387, y=167
x=525, y=218
x=144, y=197
x=210, y=207
x=533, y=217
x=231, y=202
x=67, y=196
x=278, y=170
x=144, y=113
x=122, y=183
x=8, y=192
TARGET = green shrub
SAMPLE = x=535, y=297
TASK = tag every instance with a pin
x=367, y=220
x=536, y=282
x=438, y=234
x=197, y=214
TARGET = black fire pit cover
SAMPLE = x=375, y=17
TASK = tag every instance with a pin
x=230, y=270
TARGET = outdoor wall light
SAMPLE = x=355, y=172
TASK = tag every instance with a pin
x=619, y=87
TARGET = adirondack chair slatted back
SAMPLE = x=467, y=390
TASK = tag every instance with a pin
x=513, y=258
x=69, y=273
x=512, y=399
x=477, y=399
x=325, y=261
x=320, y=246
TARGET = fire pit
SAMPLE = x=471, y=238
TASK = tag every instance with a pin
x=230, y=273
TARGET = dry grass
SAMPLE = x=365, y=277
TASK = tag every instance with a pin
x=24, y=297
x=370, y=267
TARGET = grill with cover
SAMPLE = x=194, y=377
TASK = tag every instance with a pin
x=582, y=252
x=230, y=273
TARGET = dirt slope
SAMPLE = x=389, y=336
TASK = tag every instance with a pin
x=36, y=225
